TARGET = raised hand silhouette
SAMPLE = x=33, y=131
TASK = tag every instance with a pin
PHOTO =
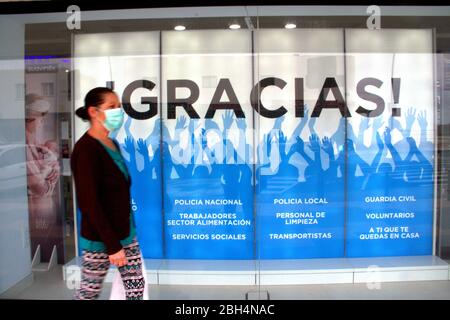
x=142, y=147
x=423, y=124
x=181, y=123
x=227, y=119
x=129, y=146
x=314, y=143
x=327, y=146
x=331, y=173
x=410, y=118
x=422, y=120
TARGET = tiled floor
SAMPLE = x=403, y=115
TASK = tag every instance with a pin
x=49, y=285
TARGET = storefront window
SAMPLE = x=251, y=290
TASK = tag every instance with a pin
x=267, y=146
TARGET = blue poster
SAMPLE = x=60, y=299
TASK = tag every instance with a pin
x=207, y=144
x=390, y=189
x=208, y=192
x=300, y=208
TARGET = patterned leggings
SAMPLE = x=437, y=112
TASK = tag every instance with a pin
x=95, y=268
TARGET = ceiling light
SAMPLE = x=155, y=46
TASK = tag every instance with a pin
x=180, y=28
x=235, y=26
x=290, y=26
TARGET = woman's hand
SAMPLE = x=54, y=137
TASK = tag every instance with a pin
x=119, y=259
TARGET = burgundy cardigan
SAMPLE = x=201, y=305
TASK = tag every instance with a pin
x=102, y=193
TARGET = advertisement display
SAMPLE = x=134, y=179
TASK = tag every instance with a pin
x=272, y=144
x=300, y=182
x=207, y=144
x=390, y=152
x=42, y=160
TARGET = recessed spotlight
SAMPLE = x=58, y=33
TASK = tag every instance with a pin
x=67, y=70
x=180, y=28
x=235, y=26
x=290, y=26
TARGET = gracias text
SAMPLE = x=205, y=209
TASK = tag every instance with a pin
x=224, y=86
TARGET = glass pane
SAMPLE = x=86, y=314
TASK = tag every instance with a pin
x=268, y=146
x=350, y=177
x=187, y=141
x=214, y=215
x=390, y=167
x=130, y=64
x=300, y=195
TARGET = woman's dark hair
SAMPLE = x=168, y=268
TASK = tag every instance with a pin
x=94, y=98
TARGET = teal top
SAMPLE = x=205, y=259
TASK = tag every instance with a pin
x=91, y=245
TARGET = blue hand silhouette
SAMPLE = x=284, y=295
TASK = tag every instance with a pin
x=181, y=123
x=227, y=119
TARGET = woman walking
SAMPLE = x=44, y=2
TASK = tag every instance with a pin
x=102, y=184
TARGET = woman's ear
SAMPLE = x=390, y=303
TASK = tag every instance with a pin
x=91, y=112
